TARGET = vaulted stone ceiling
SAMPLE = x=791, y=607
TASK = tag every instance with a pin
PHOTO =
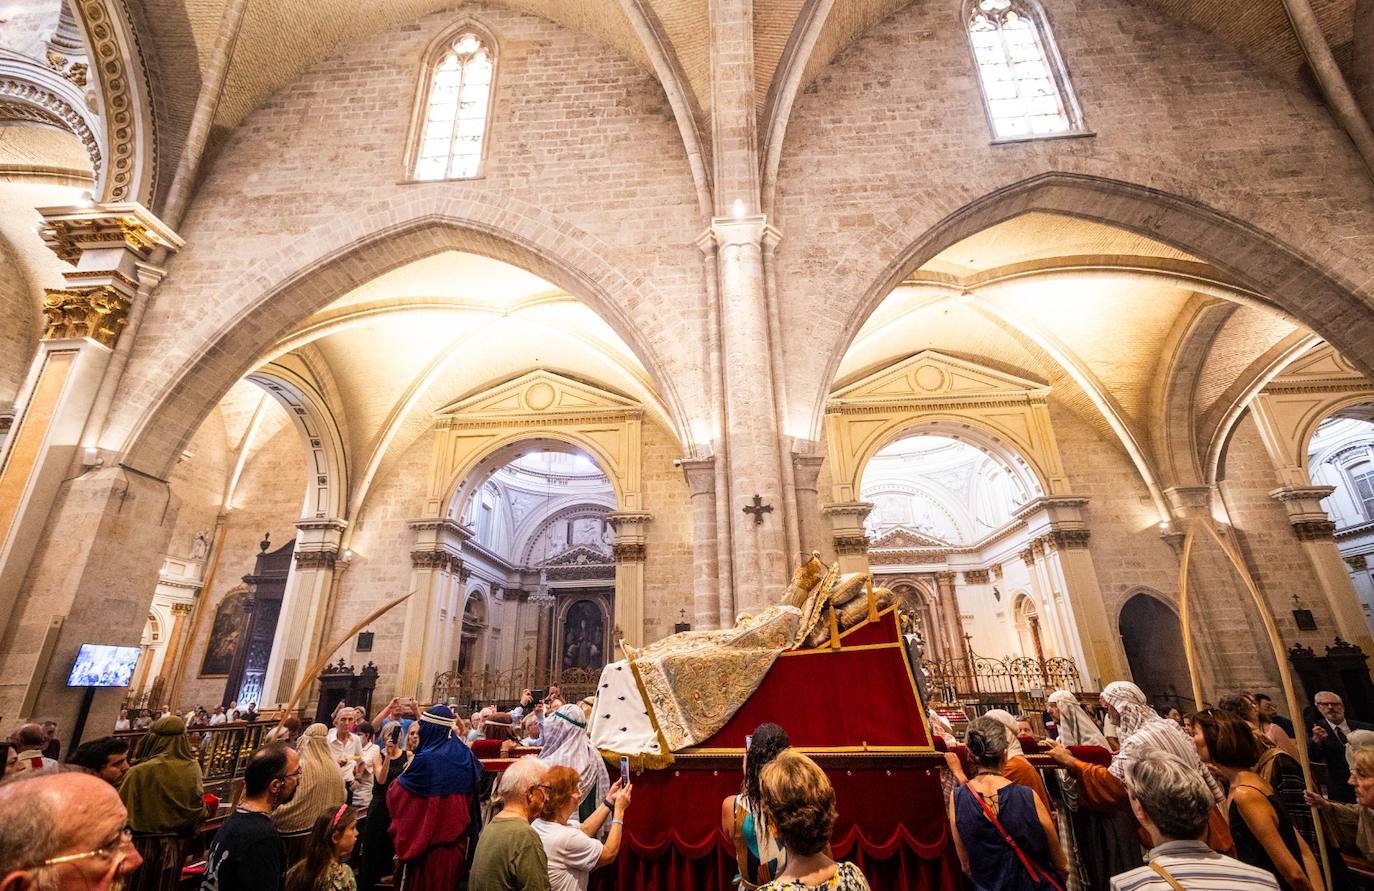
x=282, y=38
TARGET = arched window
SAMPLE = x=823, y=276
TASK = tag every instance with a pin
x=1025, y=86
x=456, y=101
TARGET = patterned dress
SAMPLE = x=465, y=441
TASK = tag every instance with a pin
x=846, y=878
x=339, y=877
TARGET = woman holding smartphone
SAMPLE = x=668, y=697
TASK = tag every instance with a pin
x=758, y=853
x=378, y=851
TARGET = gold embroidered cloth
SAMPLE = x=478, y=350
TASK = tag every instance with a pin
x=697, y=680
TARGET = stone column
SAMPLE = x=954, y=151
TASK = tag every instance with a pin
x=848, y=534
x=760, y=565
x=305, y=607
x=1316, y=536
x=435, y=557
x=110, y=247
x=629, y=554
x=180, y=614
x=706, y=593
x=950, y=619
x=810, y=526
x=1364, y=585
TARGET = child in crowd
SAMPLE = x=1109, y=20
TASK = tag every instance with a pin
x=331, y=843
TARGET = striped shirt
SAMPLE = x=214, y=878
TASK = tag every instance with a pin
x=1197, y=868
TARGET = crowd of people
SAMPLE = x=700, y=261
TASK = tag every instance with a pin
x=1208, y=800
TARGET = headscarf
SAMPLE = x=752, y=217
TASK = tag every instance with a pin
x=1075, y=727
x=163, y=791
x=1003, y=717
x=1143, y=731
x=321, y=786
x=566, y=742
x=1356, y=742
x=443, y=764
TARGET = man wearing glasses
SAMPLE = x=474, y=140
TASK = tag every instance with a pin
x=63, y=830
x=510, y=856
x=1328, y=739
x=247, y=851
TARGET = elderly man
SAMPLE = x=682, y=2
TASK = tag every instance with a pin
x=1329, y=735
x=346, y=747
x=107, y=758
x=1172, y=803
x=29, y=740
x=63, y=830
x=510, y=856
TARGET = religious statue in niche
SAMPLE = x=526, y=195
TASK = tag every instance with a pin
x=200, y=545
x=584, y=634
x=230, y=625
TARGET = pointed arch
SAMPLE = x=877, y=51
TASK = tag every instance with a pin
x=451, y=119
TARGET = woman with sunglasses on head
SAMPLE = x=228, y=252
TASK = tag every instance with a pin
x=331, y=842
x=1263, y=834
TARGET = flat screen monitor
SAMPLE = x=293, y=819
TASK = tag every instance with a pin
x=102, y=665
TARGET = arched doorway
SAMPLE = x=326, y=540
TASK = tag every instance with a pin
x=1153, y=640
x=1028, y=628
x=470, y=649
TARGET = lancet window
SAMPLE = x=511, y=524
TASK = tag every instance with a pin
x=1025, y=86
x=456, y=103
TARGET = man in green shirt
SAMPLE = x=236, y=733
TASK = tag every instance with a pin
x=510, y=856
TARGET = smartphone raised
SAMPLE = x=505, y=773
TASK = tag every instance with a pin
x=624, y=771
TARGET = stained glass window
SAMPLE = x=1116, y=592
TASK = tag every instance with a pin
x=1025, y=93
x=455, y=123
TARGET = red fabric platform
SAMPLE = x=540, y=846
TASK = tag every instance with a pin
x=855, y=709
x=856, y=698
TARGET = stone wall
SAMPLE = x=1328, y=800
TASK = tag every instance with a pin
x=268, y=499
x=1171, y=108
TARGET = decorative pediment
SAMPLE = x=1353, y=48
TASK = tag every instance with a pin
x=540, y=394
x=906, y=539
x=931, y=377
x=1319, y=368
x=579, y=555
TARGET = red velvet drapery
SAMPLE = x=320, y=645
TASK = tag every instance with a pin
x=891, y=824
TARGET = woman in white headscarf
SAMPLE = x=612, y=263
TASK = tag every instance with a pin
x=1142, y=730
x=566, y=742
x=1100, y=844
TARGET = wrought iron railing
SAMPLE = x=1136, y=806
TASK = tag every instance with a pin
x=1012, y=678
x=472, y=689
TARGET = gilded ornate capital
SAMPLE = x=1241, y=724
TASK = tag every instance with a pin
x=1027, y=556
x=977, y=576
x=99, y=313
x=1357, y=562
x=997, y=571
x=1314, y=530
x=628, y=552
x=181, y=609
x=945, y=577
x=1060, y=539
x=850, y=545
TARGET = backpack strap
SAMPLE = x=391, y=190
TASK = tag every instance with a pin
x=1164, y=874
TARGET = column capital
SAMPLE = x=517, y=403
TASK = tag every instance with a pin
x=435, y=558
x=323, y=558
x=1191, y=501
x=1314, y=530
x=807, y=469
x=1357, y=562
x=1301, y=493
x=99, y=313
x=181, y=609
x=857, y=511
x=628, y=518
x=977, y=576
x=322, y=524
x=700, y=474
x=628, y=552
x=752, y=230
x=848, y=544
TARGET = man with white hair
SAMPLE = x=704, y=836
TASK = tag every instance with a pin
x=510, y=856
x=63, y=829
x=1327, y=743
x=1172, y=803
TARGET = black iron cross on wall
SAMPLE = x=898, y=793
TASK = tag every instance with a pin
x=758, y=509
